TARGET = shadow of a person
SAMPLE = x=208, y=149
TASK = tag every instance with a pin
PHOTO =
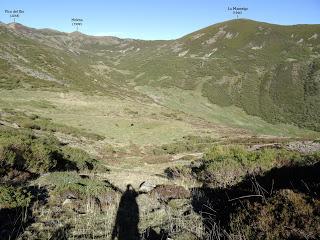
x=127, y=219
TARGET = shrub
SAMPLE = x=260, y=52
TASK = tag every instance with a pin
x=21, y=150
x=80, y=157
x=220, y=153
x=286, y=215
x=71, y=182
x=177, y=172
x=7, y=156
x=42, y=158
x=229, y=164
x=311, y=158
x=187, y=144
x=13, y=197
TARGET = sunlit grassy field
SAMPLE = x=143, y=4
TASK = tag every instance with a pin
x=171, y=115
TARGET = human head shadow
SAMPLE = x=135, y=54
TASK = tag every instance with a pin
x=216, y=205
x=127, y=219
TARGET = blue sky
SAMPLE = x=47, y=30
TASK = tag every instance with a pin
x=154, y=19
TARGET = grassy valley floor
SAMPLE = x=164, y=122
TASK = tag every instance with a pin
x=177, y=160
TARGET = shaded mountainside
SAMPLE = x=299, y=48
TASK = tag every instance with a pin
x=270, y=71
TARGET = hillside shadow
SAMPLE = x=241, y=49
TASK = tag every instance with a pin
x=216, y=205
x=18, y=174
x=127, y=218
x=151, y=234
x=13, y=221
x=64, y=164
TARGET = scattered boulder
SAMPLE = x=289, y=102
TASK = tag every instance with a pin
x=70, y=195
x=67, y=203
x=15, y=125
x=168, y=192
x=305, y=147
x=146, y=187
x=9, y=124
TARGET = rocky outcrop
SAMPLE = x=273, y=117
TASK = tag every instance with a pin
x=167, y=192
x=146, y=187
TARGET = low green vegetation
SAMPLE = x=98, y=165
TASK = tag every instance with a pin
x=82, y=159
x=144, y=107
x=286, y=215
x=11, y=78
x=221, y=117
x=187, y=144
x=227, y=165
x=21, y=150
x=14, y=197
x=64, y=183
x=178, y=172
x=33, y=121
x=280, y=86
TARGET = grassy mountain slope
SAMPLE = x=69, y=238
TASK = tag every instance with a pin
x=269, y=71
x=81, y=117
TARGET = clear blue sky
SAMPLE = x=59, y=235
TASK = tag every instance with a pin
x=154, y=19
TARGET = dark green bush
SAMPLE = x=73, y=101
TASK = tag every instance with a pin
x=286, y=215
x=80, y=157
x=229, y=164
x=14, y=197
x=21, y=150
x=42, y=158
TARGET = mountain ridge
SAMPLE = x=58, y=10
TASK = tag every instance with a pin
x=271, y=71
x=185, y=35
